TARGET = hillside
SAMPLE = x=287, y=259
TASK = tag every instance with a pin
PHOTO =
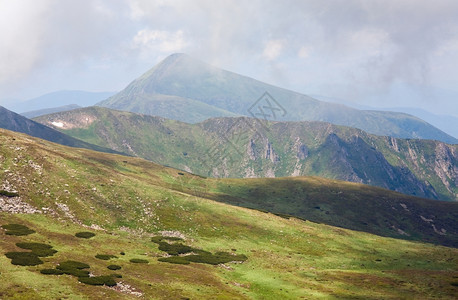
x=205, y=91
x=12, y=121
x=124, y=201
x=244, y=147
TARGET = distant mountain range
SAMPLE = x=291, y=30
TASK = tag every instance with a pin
x=57, y=99
x=446, y=123
x=246, y=147
x=188, y=90
x=15, y=122
x=47, y=111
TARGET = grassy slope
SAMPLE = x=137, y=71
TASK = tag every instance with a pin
x=172, y=107
x=13, y=121
x=332, y=151
x=287, y=259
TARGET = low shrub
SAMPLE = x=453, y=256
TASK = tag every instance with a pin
x=8, y=194
x=116, y=275
x=122, y=253
x=98, y=280
x=105, y=256
x=174, y=249
x=24, y=258
x=51, y=272
x=74, y=268
x=159, y=238
x=85, y=234
x=39, y=249
x=114, y=267
x=72, y=264
x=17, y=229
x=181, y=260
x=215, y=259
x=138, y=261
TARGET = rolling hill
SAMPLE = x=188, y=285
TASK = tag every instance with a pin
x=57, y=191
x=245, y=147
x=12, y=121
x=188, y=90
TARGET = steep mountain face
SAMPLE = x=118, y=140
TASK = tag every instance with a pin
x=247, y=147
x=12, y=121
x=124, y=201
x=188, y=90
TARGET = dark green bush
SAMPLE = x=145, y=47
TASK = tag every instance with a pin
x=17, y=229
x=158, y=239
x=138, y=261
x=51, y=272
x=174, y=249
x=74, y=268
x=114, y=267
x=39, y=249
x=105, y=256
x=85, y=235
x=122, y=253
x=98, y=280
x=8, y=194
x=116, y=275
x=215, y=259
x=71, y=264
x=175, y=260
x=24, y=258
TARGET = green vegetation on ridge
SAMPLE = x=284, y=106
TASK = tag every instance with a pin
x=242, y=147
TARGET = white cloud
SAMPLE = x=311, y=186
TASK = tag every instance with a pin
x=304, y=52
x=21, y=33
x=159, y=40
x=273, y=49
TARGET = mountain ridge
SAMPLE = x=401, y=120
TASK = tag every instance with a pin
x=15, y=122
x=246, y=147
x=182, y=76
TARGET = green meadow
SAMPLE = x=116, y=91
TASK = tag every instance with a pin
x=127, y=203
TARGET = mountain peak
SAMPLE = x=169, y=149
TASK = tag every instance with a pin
x=213, y=92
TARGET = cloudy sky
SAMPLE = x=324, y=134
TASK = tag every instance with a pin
x=378, y=53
